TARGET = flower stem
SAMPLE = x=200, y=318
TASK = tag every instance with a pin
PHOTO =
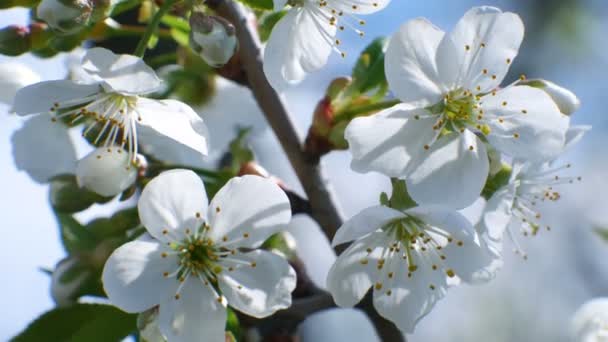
x=140, y=50
x=353, y=112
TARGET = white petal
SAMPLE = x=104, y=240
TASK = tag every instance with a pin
x=410, y=66
x=566, y=101
x=300, y=43
x=172, y=201
x=247, y=211
x=410, y=298
x=43, y=149
x=485, y=38
x=390, y=141
x=349, y=278
x=453, y=172
x=106, y=171
x=365, y=222
x=590, y=320
x=575, y=134
x=133, y=275
x=532, y=128
x=40, y=97
x=124, y=74
x=497, y=214
x=195, y=316
x=261, y=290
x=14, y=76
x=358, y=6
x=467, y=255
x=170, y=122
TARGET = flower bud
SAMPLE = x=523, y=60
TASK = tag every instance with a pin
x=14, y=40
x=65, y=16
x=106, y=171
x=213, y=38
x=565, y=100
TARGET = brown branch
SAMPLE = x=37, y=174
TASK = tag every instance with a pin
x=324, y=208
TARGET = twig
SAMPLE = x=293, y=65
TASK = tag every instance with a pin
x=322, y=199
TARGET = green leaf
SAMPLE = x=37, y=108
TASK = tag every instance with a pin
x=368, y=72
x=67, y=197
x=266, y=23
x=177, y=23
x=500, y=179
x=259, y=4
x=75, y=236
x=80, y=323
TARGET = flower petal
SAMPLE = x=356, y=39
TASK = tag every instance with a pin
x=106, y=171
x=43, y=149
x=171, y=202
x=358, y=6
x=404, y=299
x=298, y=45
x=452, y=174
x=365, y=222
x=410, y=66
x=575, y=134
x=467, y=255
x=169, y=122
x=390, y=141
x=355, y=270
x=480, y=49
x=497, y=213
x=14, y=76
x=261, y=290
x=532, y=127
x=40, y=97
x=196, y=316
x=133, y=275
x=124, y=74
x=247, y=211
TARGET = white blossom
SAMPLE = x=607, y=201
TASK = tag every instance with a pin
x=590, y=322
x=114, y=107
x=409, y=258
x=302, y=41
x=201, y=257
x=106, y=171
x=14, y=76
x=449, y=83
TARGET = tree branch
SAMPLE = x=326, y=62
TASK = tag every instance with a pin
x=320, y=195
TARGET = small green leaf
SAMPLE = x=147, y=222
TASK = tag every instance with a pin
x=75, y=236
x=259, y=4
x=80, y=323
x=266, y=23
x=368, y=72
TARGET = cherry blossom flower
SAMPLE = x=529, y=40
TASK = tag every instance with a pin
x=199, y=257
x=409, y=258
x=590, y=322
x=449, y=83
x=302, y=41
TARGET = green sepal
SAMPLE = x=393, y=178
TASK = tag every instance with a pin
x=500, y=179
x=233, y=325
x=400, y=199
x=368, y=73
x=67, y=197
x=80, y=322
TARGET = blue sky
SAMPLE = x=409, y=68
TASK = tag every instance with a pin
x=536, y=296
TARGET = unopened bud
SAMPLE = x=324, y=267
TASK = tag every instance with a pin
x=106, y=171
x=336, y=87
x=213, y=38
x=565, y=100
x=14, y=40
x=65, y=16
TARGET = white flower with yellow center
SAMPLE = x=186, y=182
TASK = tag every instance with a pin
x=449, y=84
x=409, y=258
x=590, y=322
x=302, y=41
x=200, y=258
x=112, y=106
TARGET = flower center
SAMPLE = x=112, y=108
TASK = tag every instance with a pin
x=460, y=109
x=110, y=119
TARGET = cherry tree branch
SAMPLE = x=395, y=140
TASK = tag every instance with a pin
x=322, y=199
x=323, y=203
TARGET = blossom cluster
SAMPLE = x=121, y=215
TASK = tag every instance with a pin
x=457, y=134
